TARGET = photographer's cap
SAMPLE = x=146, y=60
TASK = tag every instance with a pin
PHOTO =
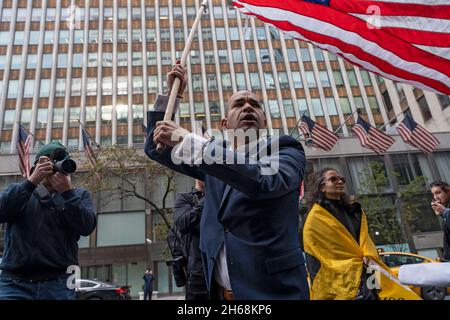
x=48, y=149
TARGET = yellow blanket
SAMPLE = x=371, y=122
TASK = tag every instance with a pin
x=342, y=260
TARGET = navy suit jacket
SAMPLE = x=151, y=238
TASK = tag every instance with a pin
x=254, y=215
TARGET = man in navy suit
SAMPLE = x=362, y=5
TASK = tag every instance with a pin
x=249, y=226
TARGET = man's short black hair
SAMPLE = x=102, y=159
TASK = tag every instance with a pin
x=441, y=184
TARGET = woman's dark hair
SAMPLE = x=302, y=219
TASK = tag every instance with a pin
x=441, y=184
x=314, y=183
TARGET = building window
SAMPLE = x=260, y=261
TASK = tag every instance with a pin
x=91, y=89
x=76, y=87
x=237, y=56
x=107, y=13
x=48, y=36
x=78, y=36
x=373, y=102
x=138, y=113
x=122, y=59
x=60, y=87
x=8, y=120
x=254, y=79
x=47, y=61
x=51, y=14
x=345, y=105
x=92, y=59
x=150, y=13
x=44, y=88
x=240, y=81
x=91, y=115
x=288, y=108
x=64, y=36
x=93, y=14
x=270, y=83
x=226, y=81
x=74, y=117
x=122, y=13
x=41, y=118
x=337, y=75
x=138, y=85
x=302, y=106
x=151, y=58
x=387, y=101
x=19, y=37
x=324, y=80
x=77, y=61
x=62, y=60
x=58, y=118
x=310, y=79
x=444, y=100
x=16, y=62
x=106, y=114
x=292, y=54
x=317, y=106
x=107, y=59
x=305, y=54
x=122, y=85
x=366, y=78
x=93, y=36
x=122, y=114
x=107, y=86
x=424, y=108
x=352, y=78
x=137, y=59
x=121, y=228
x=331, y=105
x=34, y=38
x=283, y=80
x=152, y=84
x=31, y=61
x=223, y=56
x=297, y=78
x=13, y=86
x=318, y=53
x=25, y=117
x=28, y=90
x=212, y=82
x=274, y=108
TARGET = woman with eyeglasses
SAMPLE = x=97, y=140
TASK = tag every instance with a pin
x=341, y=258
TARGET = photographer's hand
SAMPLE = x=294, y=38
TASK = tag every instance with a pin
x=60, y=182
x=43, y=169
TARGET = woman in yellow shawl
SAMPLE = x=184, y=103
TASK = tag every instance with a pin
x=341, y=258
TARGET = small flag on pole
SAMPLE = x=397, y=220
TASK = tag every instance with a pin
x=371, y=137
x=417, y=136
x=23, y=148
x=88, y=147
x=322, y=138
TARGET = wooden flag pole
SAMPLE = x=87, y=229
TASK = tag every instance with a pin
x=176, y=83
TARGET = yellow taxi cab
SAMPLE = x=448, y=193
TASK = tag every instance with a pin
x=396, y=259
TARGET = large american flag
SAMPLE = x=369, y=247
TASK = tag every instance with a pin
x=403, y=40
x=371, y=137
x=23, y=149
x=417, y=136
x=321, y=137
x=90, y=154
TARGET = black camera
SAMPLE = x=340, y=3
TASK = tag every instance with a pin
x=62, y=162
x=178, y=269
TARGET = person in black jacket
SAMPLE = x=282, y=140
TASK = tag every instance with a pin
x=441, y=206
x=45, y=217
x=187, y=213
x=148, y=285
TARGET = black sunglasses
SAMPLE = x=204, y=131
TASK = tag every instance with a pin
x=334, y=179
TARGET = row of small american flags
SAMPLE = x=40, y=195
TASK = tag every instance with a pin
x=369, y=136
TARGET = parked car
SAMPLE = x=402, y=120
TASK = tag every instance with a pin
x=97, y=290
x=396, y=259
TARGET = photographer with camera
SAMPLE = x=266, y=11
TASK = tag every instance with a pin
x=45, y=217
x=187, y=213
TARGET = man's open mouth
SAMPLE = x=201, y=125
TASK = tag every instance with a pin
x=249, y=118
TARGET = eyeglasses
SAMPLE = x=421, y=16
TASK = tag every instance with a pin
x=334, y=179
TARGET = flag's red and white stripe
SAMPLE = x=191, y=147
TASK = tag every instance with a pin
x=407, y=42
x=23, y=149
x=374, y=140
x=419, y=138
x=322, y=138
